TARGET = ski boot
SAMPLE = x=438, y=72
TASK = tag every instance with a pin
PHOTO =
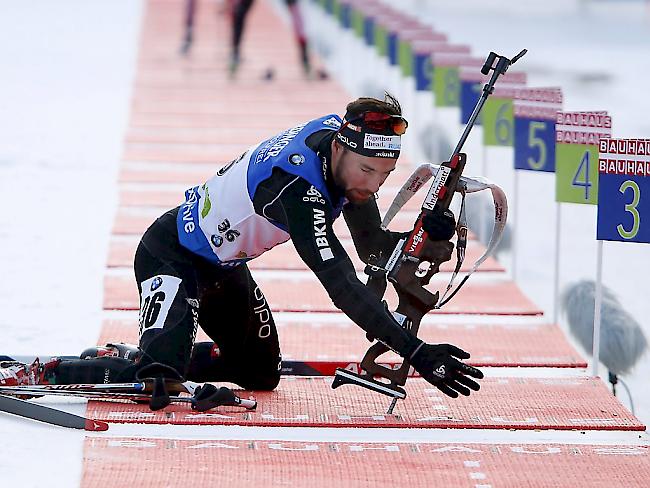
x=233, y=64
x=187, y=42
x=14, y=373
x=120, y=350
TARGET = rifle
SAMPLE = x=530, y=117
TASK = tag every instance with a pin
x=416, y=259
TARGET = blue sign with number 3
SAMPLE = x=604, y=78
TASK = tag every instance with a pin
x=623, y=207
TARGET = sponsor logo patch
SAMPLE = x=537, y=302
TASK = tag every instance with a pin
x=320, y=236
x=345, y=140
x=385, y=154
x=314, y=196
x=377, y=141
x=440, y=371
x=296, y=159
x=332, y=122
x=156, y=283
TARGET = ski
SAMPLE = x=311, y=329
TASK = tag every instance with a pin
x=288, y=367
x=34, y=411
x=202, y=396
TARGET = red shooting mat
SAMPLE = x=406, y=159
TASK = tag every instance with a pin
x=327, y=345
x=122, y=250
x=308, y=295
x=502, y=403
x=262, y=463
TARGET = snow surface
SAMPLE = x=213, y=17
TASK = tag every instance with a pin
x=66, y=78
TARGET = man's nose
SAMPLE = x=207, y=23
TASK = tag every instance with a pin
x=374, y=183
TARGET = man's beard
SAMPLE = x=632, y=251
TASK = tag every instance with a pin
x=356, y=196
x=353, y=195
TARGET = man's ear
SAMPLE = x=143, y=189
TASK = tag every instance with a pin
x=336, y=146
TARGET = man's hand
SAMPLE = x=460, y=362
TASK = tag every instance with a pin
x=437, y=364
x=440, y=225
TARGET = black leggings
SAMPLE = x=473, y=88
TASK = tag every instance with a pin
x=240, y=10
x=180, y=292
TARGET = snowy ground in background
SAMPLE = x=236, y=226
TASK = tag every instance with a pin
x=66, y=80
x=67, y=72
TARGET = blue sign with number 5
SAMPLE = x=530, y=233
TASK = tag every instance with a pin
x=534, y=144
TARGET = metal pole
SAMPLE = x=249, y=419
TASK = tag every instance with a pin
x=556, y=276
x=597, y=303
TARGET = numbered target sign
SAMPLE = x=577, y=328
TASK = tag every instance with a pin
x=422, y=60
x=472, y=82
x=357, y=21
x=369, y=29
x=392, y=43
x=498, y=120
x=343, y=13
x=404, y=50
x=446, y=79
x=577, y=138
x=381, y=36
x=535, y=111
x=624, y=190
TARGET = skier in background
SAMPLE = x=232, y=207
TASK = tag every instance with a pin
x=238, y=11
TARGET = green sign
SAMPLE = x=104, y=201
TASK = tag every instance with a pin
x=405, y=58
x=357, y=22
x=381, y=40
x=336, y=11
x=576, y=173
x=498, y=122
x=446, y=86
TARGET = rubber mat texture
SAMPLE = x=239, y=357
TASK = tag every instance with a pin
x=137, y=461
x=502, y=403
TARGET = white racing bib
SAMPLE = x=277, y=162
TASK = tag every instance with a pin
x=158, y=293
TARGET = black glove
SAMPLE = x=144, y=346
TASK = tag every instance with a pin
x=440, y=224
x=436, y=364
